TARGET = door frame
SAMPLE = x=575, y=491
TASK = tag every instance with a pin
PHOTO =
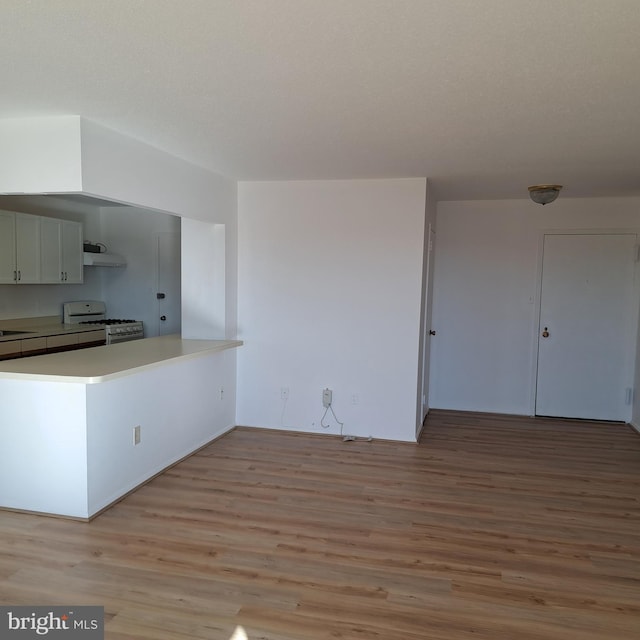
x=535, y=322
x=427, y=300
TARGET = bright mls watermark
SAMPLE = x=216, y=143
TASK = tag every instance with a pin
x=81, y=623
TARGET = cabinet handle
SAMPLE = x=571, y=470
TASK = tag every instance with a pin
x=19, y=275
x=61, y=276
x=15, y=276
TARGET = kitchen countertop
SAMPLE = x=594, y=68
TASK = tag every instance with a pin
x=41, y=327
x=46, y=330
x=101, y=364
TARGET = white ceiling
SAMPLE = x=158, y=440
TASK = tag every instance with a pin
x=483, y=96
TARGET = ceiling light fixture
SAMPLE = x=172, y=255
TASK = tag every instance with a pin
x=544, y=193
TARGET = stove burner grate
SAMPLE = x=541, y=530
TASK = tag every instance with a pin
x=108, y=321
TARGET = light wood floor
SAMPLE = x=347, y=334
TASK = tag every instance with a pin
x=491, y=528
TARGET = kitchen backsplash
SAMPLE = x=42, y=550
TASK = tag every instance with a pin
x=34, y=300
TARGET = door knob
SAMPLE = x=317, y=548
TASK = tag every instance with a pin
x=163, y=318
x=432, y=332
x=545, y=333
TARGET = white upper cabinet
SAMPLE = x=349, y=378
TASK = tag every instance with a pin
x=35, y=249
x=61, y=251
x=72, y=254
x=27, y=248
x=51, y=250
x=19, y=248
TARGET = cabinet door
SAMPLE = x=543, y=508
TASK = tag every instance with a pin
x=72, y=265
x=51, y=250
x=92, y=338
x=62, y=342
x=27, y=248
x=10, y=349
x=33, y=346
x=7, y=247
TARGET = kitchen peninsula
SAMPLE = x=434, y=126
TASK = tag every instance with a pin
x=81, y=429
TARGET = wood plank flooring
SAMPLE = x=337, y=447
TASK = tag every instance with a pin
x=492, y=528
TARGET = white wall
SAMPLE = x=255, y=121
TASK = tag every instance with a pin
x=204, y=308
x=484, y=308
x=40, y=155
x=120, y=168
x=330, y=276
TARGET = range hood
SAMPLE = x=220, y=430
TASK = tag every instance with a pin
x=103, y=260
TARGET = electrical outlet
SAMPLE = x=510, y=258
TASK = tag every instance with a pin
x=355, y=399
x=136, y=434
x=221, y=393
x=284, y=393
x=327, y=397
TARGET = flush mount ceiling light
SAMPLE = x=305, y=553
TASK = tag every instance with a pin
x=544, y=193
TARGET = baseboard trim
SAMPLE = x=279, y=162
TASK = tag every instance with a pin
x=420, y=431
x=635, y=427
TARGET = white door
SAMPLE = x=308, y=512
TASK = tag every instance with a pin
x=588, y=316
x=426, y=328
x=168, y=292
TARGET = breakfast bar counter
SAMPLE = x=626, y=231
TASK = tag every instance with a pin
x=100, y=364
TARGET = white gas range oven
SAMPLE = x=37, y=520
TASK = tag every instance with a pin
x=94, y=312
